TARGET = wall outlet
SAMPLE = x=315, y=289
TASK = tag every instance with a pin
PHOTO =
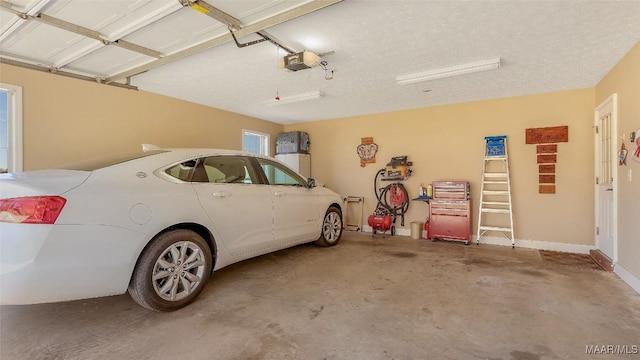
x=629, y=175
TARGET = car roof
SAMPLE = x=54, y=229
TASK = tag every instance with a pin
x=195, y=152
x=153, y=157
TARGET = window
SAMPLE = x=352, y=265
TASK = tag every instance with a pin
x=278, y=175
x=230, y=169
x=605, y=176
x=10, y=128
x=255, y=142
x=216, y=169
x=183, y=171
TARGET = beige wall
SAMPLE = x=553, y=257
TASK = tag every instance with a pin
x=66, y=120
x=624, y=80
x=447, y=142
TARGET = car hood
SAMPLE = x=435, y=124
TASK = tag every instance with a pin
x=44, y=182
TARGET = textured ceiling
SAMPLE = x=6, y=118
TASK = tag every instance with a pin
x=545, y=46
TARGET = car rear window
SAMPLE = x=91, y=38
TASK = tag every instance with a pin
x=109, y=160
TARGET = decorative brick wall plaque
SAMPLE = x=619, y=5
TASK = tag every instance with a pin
x=547, y=169
x=547, y=189
x=548, y=135
x=547, y=179
x=546, y=150
x=547, y=159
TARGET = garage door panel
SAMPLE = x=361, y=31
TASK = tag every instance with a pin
x=108, y=60
x=178, y=31
x=112, y=19
x=47, y=43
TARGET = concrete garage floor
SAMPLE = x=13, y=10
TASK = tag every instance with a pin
x=393, y=298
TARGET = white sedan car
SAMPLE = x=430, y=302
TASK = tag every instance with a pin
x=156, y=222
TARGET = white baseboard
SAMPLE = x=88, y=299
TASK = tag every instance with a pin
x=399, y=231
x=537, y=244
x=503, y=241
x=627, y=277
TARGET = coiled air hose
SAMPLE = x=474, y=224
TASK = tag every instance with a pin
x=393, y=197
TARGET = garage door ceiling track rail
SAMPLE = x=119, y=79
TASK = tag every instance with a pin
x=89, y=40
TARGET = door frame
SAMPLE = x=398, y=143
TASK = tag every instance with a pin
x=14, y=126
x=609, y=105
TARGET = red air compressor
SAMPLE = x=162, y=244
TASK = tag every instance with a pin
x=393, y=200
x=380, y=222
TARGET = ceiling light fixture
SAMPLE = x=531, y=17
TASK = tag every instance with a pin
x=449, y=71
x=294, y=98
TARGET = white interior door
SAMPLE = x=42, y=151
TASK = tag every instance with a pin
x=605, y=118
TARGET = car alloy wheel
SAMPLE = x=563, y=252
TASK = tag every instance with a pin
x=178, y=271
x=171, y=271
x=331, y=228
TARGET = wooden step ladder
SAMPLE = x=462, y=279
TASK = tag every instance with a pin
x=495, y=194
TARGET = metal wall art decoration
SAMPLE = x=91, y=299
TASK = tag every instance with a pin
x=367, y=151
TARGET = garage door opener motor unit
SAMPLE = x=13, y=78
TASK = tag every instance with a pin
x=293, y=142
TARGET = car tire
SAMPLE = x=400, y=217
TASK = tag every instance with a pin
x=331, y=228
x=171, y=271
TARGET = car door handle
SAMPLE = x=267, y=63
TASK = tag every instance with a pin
x=221, y=194
x=279, y=193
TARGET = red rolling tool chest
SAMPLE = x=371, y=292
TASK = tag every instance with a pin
x=450, y=211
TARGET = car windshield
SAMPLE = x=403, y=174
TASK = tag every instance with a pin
x=105, y=161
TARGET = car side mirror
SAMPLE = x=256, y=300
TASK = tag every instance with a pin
x=311, y=183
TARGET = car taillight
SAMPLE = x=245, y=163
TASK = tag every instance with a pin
x=31, y=210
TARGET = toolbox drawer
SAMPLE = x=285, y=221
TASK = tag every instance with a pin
x=450, y=219
x=450, y=227
x=451, y=190
x=454, y=207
